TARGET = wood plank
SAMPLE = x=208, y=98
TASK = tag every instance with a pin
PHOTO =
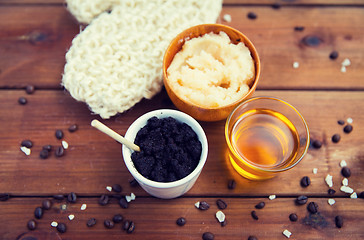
x=95, y=160
x=51, y=29
x=155, y=217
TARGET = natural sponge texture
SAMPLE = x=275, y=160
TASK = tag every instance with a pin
x=117, y=59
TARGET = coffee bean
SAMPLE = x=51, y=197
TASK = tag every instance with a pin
x=59, y=197
x=4, y=197
x=117, y=188
x=72, y=197
x=252, y=15
x=59, y=134
x=38, y=213
x=126, y=225
x=260, y=205
x=299, y=28
x=333, y=55
x=221, y=204
x=46, y=204
x=345, y=171
x=317, y=144
x=29, y=89
x=305, y=181
x=335, y=138
x=339, y=221
x=123, y=203
x=208, y=236
x=181, y=221
x=131, y=227
x=59, y=152
x=348, y=128
x=331, y=191
x=312, y=207
x=73, y=128
x=204, y=205
x=27, y=143
x=47, y=147
x=61, y=227
x=22, y=101
x=293, y=217
x=134, y=183
x=103, y=200
x=252, y=238
x=118, y=218
x=231, y=184
x=44, y=154
x=32, y=224
x=311, y=41
x=301, y=200
x=254, y=215
x=91, y=222
x=341, y=122
x=361, y=195
x=108, y=224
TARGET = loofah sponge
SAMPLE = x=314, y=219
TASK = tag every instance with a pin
x=116, y=61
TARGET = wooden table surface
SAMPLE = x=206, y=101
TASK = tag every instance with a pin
x=34, y=37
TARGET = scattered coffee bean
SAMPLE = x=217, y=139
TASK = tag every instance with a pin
x=134, y=183
x=252, y=15
x=331, y=191
x=38, y=213
x=73, y=128
x=59, y=152
x=91, y=222
x=72, y=197
x=46, y=204
x=204, y=205
x=260, y=205
x=348, y=128
x=131, y=227
x=254, y=215
x=293, y=217
x=301, y=200
x=316, y=144
x=311, y=41
x=305, y=181
x=208, y=236
x=335, y=138
x=27, y=143
x=221, y=204
x=29, y=89
x=117, y=188
x=22, y=101
x=361, y=195
x=47, y=147
x=333, y=55
x=44, y=154
x=312, y=207
x=299, y=28
x=339, y=221
x=32, y=224
x=345, y=171
x=118, y=218
x=59, y=134
x=61, y=227
x=59, y=197
x=126, y=225
x=181, y=221
x=4, y=197
x=123, y=203
x=103, y=200
x=232, y=184
x=108, y=224
x=252, y=238
x=341, y=122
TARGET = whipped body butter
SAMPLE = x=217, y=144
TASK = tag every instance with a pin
x=210, y=71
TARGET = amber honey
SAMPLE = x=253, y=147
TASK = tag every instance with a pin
x=262, y=140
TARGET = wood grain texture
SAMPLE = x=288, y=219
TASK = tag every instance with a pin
x=95, y=160
x=155, y=217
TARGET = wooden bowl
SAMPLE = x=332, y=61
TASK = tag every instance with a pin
x=198, y=112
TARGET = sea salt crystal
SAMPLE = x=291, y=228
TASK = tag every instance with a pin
x=314, y=171
x=132, y=195
x=346, y=189
x=197, y=205
x=128, y=198
x=328, y=180
x=71, y=217
x=354, y=195
x=220, y=216
x=343, y=163
x=345, y=182
x=25, y=150
x=346, y=62
x=83, y=207
x=271, y=197
x=54, y=224
x=287, y=233
x=296, y=64
x=343, y=69
x=227, y=17
x=331, y=201
x=109, y=188
x=64, y=144
x=349, y=120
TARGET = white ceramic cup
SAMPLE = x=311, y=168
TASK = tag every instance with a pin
x=161, y=189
